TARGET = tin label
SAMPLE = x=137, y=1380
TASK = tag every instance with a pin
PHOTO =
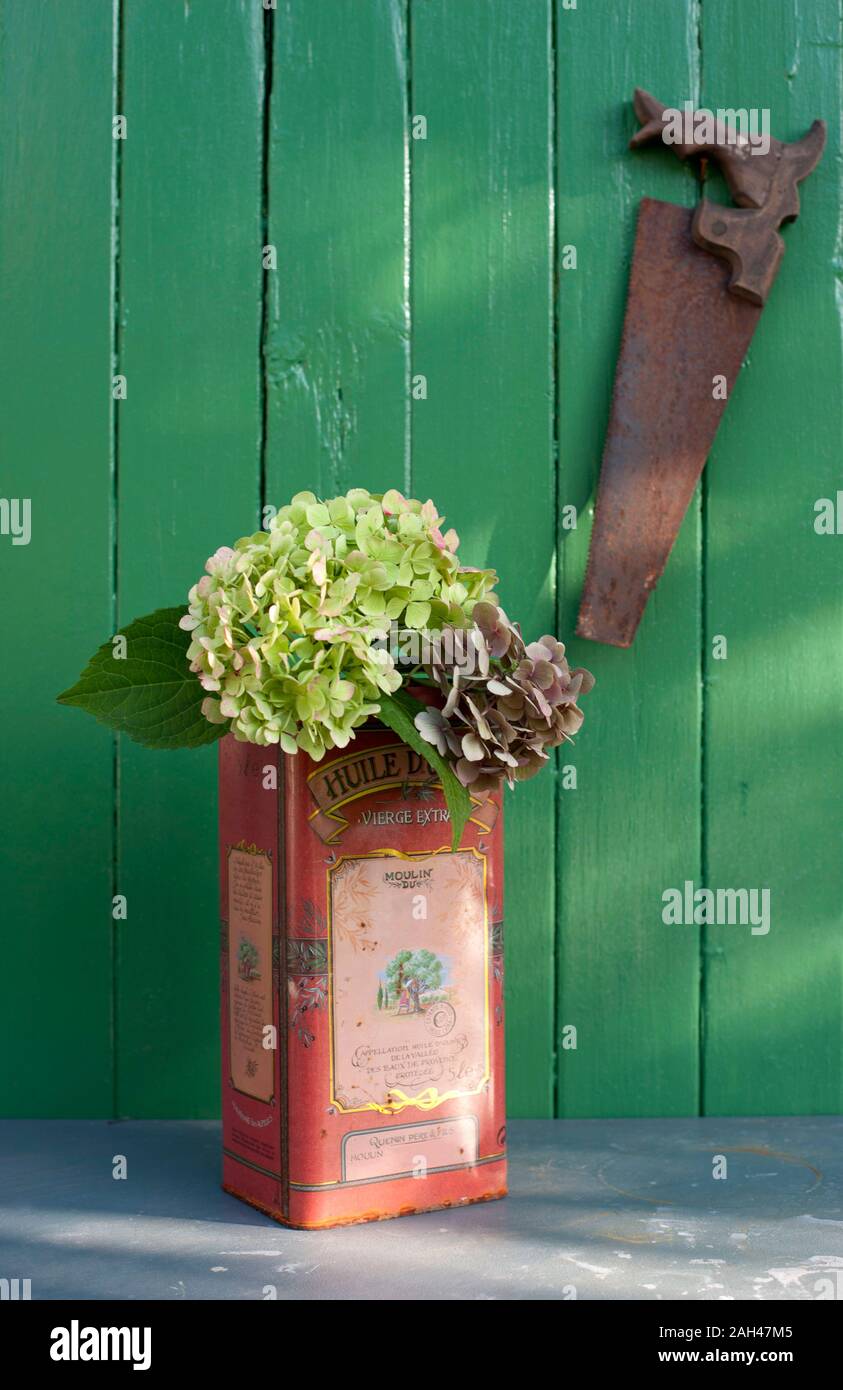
x=409, y=961
x=406, y=1151
x=337, y=785
x=250, y=971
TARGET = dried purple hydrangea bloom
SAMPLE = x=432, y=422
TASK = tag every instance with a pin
x=506, y=704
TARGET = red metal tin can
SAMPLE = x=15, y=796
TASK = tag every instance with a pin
x=362, y=986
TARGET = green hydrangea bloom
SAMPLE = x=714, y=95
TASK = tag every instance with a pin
x=289, y=626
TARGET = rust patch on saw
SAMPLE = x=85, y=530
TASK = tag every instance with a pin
x=682, y=330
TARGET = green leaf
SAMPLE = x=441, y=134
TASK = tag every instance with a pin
x=151, y=694
x=398, y=712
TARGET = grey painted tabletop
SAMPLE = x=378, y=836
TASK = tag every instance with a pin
x=598, y=1209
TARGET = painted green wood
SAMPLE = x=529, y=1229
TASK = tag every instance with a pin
x=627, y=983
x=337, y=350
x=189, y=444
x=399, y=256
x=774, y=761
x=482, y=440
x=55, y=403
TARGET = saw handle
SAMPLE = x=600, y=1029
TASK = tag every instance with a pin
x=762, y=176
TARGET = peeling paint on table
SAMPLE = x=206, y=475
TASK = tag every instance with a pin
x=598, y=1209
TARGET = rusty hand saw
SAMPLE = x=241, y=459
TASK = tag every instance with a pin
x=699, y=281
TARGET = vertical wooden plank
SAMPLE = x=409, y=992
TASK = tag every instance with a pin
x=627, y=983
x=337, y=349
x=189, y=445
x=482, y=440
x=774, y=761
x=55, y=402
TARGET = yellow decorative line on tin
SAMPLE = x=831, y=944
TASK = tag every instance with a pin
x=429, y=1098
x=425, y=1100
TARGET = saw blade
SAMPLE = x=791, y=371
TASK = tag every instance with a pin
x=684, y=339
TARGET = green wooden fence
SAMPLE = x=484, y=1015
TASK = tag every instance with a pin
x=405, y=252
